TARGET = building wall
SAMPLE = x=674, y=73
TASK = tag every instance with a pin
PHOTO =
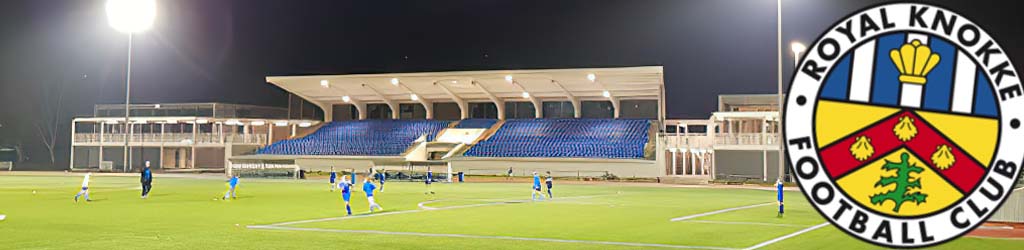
x=746, y=163
x=560, y=167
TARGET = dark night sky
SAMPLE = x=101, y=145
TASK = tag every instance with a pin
x=220, y=51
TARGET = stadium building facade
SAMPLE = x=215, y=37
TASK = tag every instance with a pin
x=571, y=122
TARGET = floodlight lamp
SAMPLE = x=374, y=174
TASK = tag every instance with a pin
x=131, y=16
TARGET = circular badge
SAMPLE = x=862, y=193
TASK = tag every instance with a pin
x=903, y=125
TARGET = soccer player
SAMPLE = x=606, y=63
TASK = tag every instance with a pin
x=782, y=206
x=147, y=181
x=429, y=180
x=346, y=192
x=334, y=176
x=509, y=177
x=232, y=185
x=536, y=187
x=85, y=188
x=381, y=176
x=549, y=181
x=368, y=187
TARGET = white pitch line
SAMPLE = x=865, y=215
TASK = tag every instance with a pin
x=422, y=205
x=615, y=243
x=773, y=241
x=719, y=211
x=745, y=223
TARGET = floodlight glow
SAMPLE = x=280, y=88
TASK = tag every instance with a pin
x=508, y=78
x=526, y=94
x=797, y=47
x=325, y=83
x=346, y=99
x=202, y=121
x=281, y=123
x=591, y=77
x=172, y=121
x=414, y=97
x=131, y=16
x=258, y=123
x=157, y=106
x=305, y=124
x=394, y=81
x=606, y=94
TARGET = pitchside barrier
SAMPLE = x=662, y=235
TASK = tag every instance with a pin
x=6, y=164
x=264, y=170
x=578, y=174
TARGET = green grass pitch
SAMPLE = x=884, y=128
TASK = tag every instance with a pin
x=181, y=213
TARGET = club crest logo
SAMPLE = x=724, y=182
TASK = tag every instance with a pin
x=903, y=125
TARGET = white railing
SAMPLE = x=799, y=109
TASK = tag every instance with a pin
x=687, y=141
x=185, y=138
x=746, y=139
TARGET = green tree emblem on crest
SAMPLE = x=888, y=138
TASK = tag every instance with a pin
x=903, y=183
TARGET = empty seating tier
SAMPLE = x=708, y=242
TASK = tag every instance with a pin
x=476, y=123
x=566, y=138
x=361, y=138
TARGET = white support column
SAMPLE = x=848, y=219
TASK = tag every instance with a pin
x=294, y=130
x=360, y=108
x=163, y=136
x=498, y=102
x=463, y=105
x=195, y=134
x=103, y=127
x=71, y=163
x=615, y=105
x=428, y=106
x=391, y=103
x=270, y=134
x=576, y=104
x=328, y=112
x=538, y=106
x=674, y=160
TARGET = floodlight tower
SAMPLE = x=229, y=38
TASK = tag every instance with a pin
x=130, y=16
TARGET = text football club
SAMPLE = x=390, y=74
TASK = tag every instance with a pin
x=902, y=124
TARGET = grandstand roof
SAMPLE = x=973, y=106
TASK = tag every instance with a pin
x=545, y=84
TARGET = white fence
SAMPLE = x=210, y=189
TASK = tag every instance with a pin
x=1012, y=210
x=201, y=138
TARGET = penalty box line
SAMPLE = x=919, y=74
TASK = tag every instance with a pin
x=773, y=241
x=719, y=211
x=615, y=243
x=423, y=209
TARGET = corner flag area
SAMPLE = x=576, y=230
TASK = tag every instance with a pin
x=187, y=213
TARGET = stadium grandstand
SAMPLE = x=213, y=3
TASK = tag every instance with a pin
x=572, y=122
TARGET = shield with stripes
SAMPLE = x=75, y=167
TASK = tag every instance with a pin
x=902, y=124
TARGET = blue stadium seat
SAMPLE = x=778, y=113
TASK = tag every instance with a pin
x=566, y=138
x=363, y=138
x=476, y=123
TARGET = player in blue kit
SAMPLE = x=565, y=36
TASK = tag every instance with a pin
x=346, y=193
x=782, y=206
x=381, y=176
x=368, y=187
x=232, y=185
x=428, y=181
x=537, y=194
x=334, y=176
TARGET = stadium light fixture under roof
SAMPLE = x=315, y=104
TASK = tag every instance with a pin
x=394, y=81
x=305, y=124
x=606, y=94
x=325, y=83
x=281, y=123
x=346, y=99
x=414, y=97
x=591, y=77
x=526, y=94
x=258, y=123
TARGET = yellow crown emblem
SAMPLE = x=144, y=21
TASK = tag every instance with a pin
x=914, y=61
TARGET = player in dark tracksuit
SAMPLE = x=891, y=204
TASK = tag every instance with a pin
x=147, y=181
x=549, y=183
x=334, y=177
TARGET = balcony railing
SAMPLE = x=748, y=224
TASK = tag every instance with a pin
x=182, y=138
x=746, y=139
x=733, y=139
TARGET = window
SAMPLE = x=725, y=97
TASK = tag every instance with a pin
x=558, y=110
x=378, y=111
x=519, y=110
x=598, y=109
x=412, y=111
x=483, y=110
x=645, y=109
